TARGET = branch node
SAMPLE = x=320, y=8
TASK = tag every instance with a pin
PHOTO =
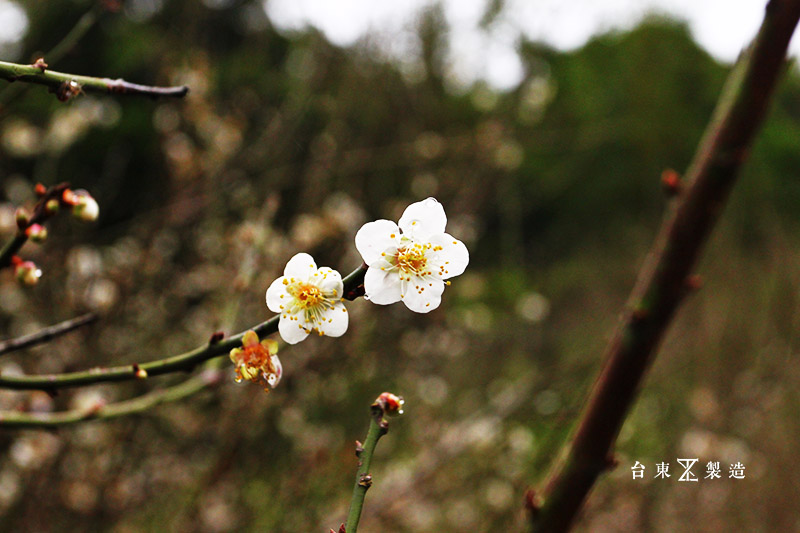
x=640, y=313
x=139, y=372
x=694, y=282
x=533, y=502
x=365, y=480
x=40, y=64
x=671, y=182
x=216, y=337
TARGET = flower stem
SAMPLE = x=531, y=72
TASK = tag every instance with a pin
x=377, y=429
x=176, y=363
x=663, y=281
x=55, y=80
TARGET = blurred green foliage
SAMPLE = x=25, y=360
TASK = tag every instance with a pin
x=286, y=144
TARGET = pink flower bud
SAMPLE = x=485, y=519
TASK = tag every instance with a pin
x=36, y=233
x=391, y=404
x=27, y=273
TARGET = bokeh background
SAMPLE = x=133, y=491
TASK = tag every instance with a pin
x=289, y=143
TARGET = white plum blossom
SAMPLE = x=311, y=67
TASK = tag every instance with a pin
x=411, y=260
x=308, y=299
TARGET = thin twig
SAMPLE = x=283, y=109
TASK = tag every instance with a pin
x=69, y=85
x=55, y=54
x=662, y=282
x=378, y=427
x=39, y=216
x=182, y=362
x=193, y=385
x=46, y=334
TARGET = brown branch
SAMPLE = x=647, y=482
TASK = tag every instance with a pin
x=47, y=334
x=39, y=215
x=661, y=285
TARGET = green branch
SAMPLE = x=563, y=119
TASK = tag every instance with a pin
x=183, y=362
x=67, y=86
x=193, y=385
x=55, y=54
x=386, y=403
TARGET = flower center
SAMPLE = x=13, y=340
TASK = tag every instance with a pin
x=411, y=259
x=307, y=295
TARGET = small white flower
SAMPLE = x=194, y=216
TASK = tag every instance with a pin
x=308, y=299
x=411, y=262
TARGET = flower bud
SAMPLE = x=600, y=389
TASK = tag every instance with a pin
x=52, y=206
x=37, y=233
x=22, y=216
x=391, y=404
x=84, y=206
x=27, y=273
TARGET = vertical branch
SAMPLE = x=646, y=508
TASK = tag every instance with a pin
x=662, y=281
x=377, y=429
x=386, y=404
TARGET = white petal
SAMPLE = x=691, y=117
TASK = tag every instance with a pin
x=301, y=267
x=452, y=259
x=382, y=287
x=374, y=238
x=329, y=282
x=334, y=321
x=274, y=379
x=290, y=330
x=423, y=296
x=274, y=293
x=422, y=219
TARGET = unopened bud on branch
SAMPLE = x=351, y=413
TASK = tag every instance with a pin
x=52, y=206
x=36, y=232
x=22, y=217
x=84, y=206
x=391, y=404
x=27, y=273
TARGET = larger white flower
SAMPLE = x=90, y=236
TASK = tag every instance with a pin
x=308, y=299
x=411, y=262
